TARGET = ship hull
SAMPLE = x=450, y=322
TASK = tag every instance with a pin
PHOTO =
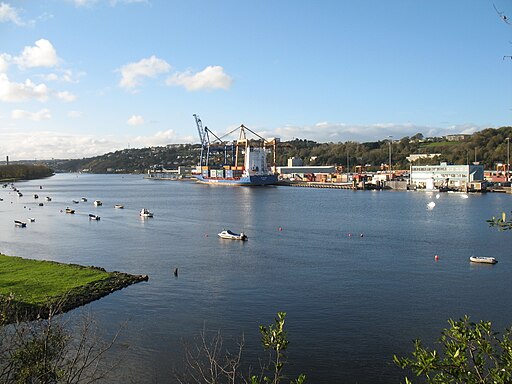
x=242, y=181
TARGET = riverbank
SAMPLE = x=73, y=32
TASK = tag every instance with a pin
x=31, y=288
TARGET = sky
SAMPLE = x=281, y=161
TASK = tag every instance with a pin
x=80, y=78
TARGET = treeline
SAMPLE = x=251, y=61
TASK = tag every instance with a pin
x=488, y=147
x=24, y=171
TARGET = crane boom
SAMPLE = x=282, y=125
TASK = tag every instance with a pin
x=200, y=129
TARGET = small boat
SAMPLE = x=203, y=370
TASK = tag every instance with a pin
x=83, y=199
x=483, y=259
x=41, y=204
x=93, y=217
x=431, y=205
x=69, y=210
x=36, y=196
x=1, y=199
x=75, y=202
x=19, y=194
x=97, y=203
x=464, y=196
x=48, y=198
x=144, y=212
x=119, y=206
x=20, y=223
x=227, y=234
x=31, y=219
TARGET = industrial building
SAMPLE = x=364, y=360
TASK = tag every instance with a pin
x=460, y=177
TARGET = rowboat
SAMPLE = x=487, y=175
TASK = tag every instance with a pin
x=20, y=223
x=483, y=259
x=93, y=217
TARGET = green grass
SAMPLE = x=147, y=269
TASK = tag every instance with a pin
x=37, y=282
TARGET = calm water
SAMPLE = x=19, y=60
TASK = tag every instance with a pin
x=351, y=301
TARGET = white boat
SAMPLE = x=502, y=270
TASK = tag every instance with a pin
x=119, y=206
x=20, y=223
x=227, y=234
x=431, y=205
x=144, y=212
x=31, y=219
x=97, y=203
x=69, y=210
x=48, y=198
x=483, y=259
x=93, y=217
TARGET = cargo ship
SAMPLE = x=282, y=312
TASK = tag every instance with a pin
x=238, y=162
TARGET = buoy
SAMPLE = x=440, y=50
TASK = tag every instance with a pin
x=280, y=228
x=436, y=257
x=361, y=235
x=349, y=235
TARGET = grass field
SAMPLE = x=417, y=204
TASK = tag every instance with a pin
x=37, y=282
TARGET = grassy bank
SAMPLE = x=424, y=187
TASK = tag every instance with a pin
x=33, y=286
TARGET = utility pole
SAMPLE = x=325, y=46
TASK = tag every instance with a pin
x=390, y=171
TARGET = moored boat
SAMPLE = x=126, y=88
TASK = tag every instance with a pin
x=227, y=234
x=48, y=198
x=119, y=206
x=84, y=199
x=483, y=259
x=69, y=210
x=97, y=203
x=36, y=196
x=93, y=217
x=19, y=223
x=31, y=219
x=144, y=212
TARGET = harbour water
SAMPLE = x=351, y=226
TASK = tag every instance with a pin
x=354, y=271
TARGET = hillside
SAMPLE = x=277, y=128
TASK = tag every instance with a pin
x=488, y=147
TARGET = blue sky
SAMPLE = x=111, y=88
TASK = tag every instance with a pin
x=84, y=77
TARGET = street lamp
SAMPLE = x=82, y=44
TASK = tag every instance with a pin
x=508, y=155
x=390, y=172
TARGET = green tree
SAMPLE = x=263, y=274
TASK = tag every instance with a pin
x=472, y=353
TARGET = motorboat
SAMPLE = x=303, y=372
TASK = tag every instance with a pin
x=97, y=203
x=84, y=199
x=75, y=202
x=227, y=234
x=93, y=217
x=119, y=206
x=144, y=212
x=483, y=259
x=48, y=198
x=31, y=219
x=40, y=204
x=36, y=196
x=19, y=194
x=69, y=210
x=20, y=223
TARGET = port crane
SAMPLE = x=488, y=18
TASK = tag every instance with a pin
x=237, y=147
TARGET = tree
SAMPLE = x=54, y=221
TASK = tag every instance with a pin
x=500, y=222
x=208, y=363
x=46, y=351
x=471, y=353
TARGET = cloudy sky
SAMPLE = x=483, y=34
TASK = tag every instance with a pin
x=85, y=77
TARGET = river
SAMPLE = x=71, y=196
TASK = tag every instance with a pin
x=355, y=271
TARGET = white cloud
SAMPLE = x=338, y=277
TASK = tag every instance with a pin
x=43, y=114
x=158, y=139
x=8, y=13
x=84, y=3
x=75, y=114
x=43, y=54
x=16, y=92
x=136, y=120
x=132, y=73
x=4, y=62
x=66, y=76
x=212, y=77
x=66, y=96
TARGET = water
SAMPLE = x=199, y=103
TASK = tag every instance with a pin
x=351, y=301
